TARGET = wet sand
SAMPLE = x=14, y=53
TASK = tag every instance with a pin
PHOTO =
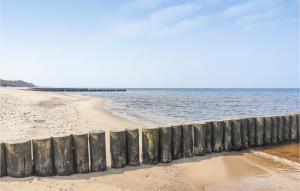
x=291, y=152
x=265, y=168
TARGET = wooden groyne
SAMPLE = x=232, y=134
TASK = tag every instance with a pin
x=79, y=89
x=84, y=153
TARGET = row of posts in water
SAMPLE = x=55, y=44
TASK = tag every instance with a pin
x=86, y=153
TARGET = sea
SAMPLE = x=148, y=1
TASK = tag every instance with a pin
x=165, y=106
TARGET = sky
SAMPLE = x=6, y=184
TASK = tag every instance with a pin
x=151, y=43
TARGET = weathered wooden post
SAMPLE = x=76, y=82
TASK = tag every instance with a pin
x=81, y=153
x=244, y=133
x=187, y=141
x=294, y=134
x=268, y=131
x=287, y=129
x=118, y=149
x=298, y=127
x=260, y=124
x=18, y=159
x=208, y=137
x=150, y=140
x=176, y=142
x=166, y=144
x=274, y=129
x=217, y=136
x=2, y=160
x=97, y=150
x=236, y=134
x=133, y=149
x=43, y=157
x=280, y=129
x=252, y=131
x=199, y=138
x=227, y=135
x=63, y=155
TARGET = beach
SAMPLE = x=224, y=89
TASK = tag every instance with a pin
x=29, y=115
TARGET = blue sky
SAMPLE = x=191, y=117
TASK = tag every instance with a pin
x=151, y=43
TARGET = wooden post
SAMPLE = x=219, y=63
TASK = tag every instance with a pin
x=166, y=144
x=227, y=135
x=217, y=136
x=274, y=130
x=252, y=131
x=236, y=134
x=133, y=149
x=2, y=160
x=97, y=150
x=63, y=155
x=18, y=159
x=208, y=137
x=176, y=142
x=118, y=149
x=268, y=131
x=260, y=125
x=187, y=141
x=280, y=129
x=244, y=133
x=298, y=126
x=81, y=153
x=150, y=140
x=199, y=138
x=287, y=129
x=42, y=157
x=294, y=133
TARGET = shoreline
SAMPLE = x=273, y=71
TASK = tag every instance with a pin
x=63, y=113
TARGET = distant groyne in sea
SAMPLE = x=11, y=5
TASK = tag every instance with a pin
x=86, y=153
x=78, y=89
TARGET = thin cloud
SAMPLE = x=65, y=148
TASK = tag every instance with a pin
x=258, y=17
x=142, y=4
x=249, y=7
x=180, y=18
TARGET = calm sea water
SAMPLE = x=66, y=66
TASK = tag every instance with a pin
x=160, y=107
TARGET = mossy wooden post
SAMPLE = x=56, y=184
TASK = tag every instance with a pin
x=187, y=141
x=268, y=131
x=217, y=136
x=236, y=134
x=165, y=144
x=150, y=142
x=63, y=156
x=97, y=150
x=244, y=133
x=227, y=135
x=252, y=130
x=199, y=139
x=294, y=134
x=81, y=153
x=2, y=160
x=43, y=157
x=133, y=149
x=274, y=130
x=280, y=129
x=18, y=159
x=118, y=149
x=287, y=129
x=176, y=142
x=208, y=137
x=260, y=125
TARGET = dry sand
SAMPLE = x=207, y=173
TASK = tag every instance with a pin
x=26, y=115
